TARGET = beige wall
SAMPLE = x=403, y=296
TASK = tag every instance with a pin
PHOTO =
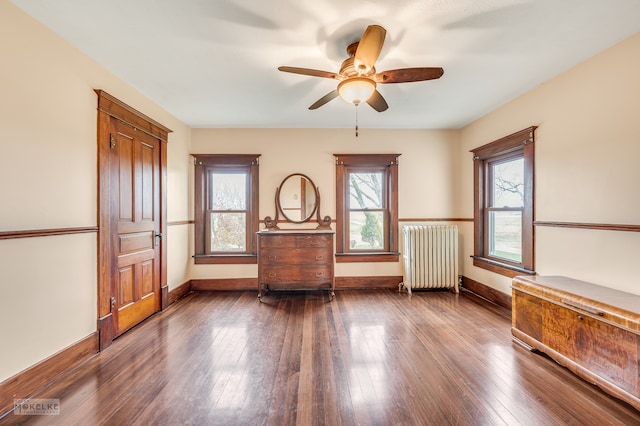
x=427, y=174
x=48, y=179
x=179, y=205
x=587, y=151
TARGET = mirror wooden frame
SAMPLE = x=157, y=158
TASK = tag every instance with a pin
x=323, y=223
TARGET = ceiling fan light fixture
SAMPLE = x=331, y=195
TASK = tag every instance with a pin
x=358, y=79
x=356, y=89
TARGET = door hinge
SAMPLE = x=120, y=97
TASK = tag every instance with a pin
x=113, y=303
x=112, y=140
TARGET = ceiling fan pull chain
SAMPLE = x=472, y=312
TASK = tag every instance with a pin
x=356, y=120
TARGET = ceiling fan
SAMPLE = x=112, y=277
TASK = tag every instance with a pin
x=358, y=77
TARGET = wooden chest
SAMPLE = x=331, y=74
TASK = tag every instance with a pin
x=295, y=260
x=592, y=330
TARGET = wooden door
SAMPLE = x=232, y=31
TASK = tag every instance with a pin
x=132, y=208
x=134, y=163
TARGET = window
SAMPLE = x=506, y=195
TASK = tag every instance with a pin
x=226, y=208
x=503, y=204
x=367, y=207
x=505, y=208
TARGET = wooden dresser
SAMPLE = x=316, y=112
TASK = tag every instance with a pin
x=295, y=260
x=592, y=330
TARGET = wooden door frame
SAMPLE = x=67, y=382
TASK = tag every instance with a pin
x=110, y=107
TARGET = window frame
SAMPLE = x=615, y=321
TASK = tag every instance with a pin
x=348, y=163
x=519, y=144
x=204, y=165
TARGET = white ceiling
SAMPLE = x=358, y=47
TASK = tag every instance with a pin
x=213, y=63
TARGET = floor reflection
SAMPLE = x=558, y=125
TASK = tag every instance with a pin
x=230, y=376
x=368, y=359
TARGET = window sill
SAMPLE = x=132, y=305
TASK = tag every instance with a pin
x=225, y=259
x=500, y=268
x=367, y=257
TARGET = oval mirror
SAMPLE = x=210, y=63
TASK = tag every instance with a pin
x=297, y=200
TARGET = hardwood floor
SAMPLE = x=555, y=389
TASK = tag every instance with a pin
x=368, y=358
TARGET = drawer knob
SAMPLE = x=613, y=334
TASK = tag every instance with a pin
x=272, y=257
x=319, y=274
x=271, y=274
x=320, y=257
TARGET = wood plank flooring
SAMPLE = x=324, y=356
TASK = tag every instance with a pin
x=374, y=357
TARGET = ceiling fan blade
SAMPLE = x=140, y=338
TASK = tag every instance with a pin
x=406, y=75
x=323, y=100
x=377, y=102
x=311, y=72
x=369, y=48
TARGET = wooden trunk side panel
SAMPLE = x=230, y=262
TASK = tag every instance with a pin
x=527, y=314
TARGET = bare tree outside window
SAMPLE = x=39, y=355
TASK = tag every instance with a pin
x=508, y=183
x=366, y=214
x=505, y=212
x=228, y=211
x=225, y=208
x=366, y=207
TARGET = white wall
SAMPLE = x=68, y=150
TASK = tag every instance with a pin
x=427, y=174
x=48, y=179
x=586, y=168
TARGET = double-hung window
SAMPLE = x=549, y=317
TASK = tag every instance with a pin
x=226, y=208
x=503, y=204
x=366, y=207
x=505, y=207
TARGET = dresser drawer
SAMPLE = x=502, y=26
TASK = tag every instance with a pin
x=296, y=256
x=316, y=241
x=301, y=241
x=300, y=275
x=276, y=241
